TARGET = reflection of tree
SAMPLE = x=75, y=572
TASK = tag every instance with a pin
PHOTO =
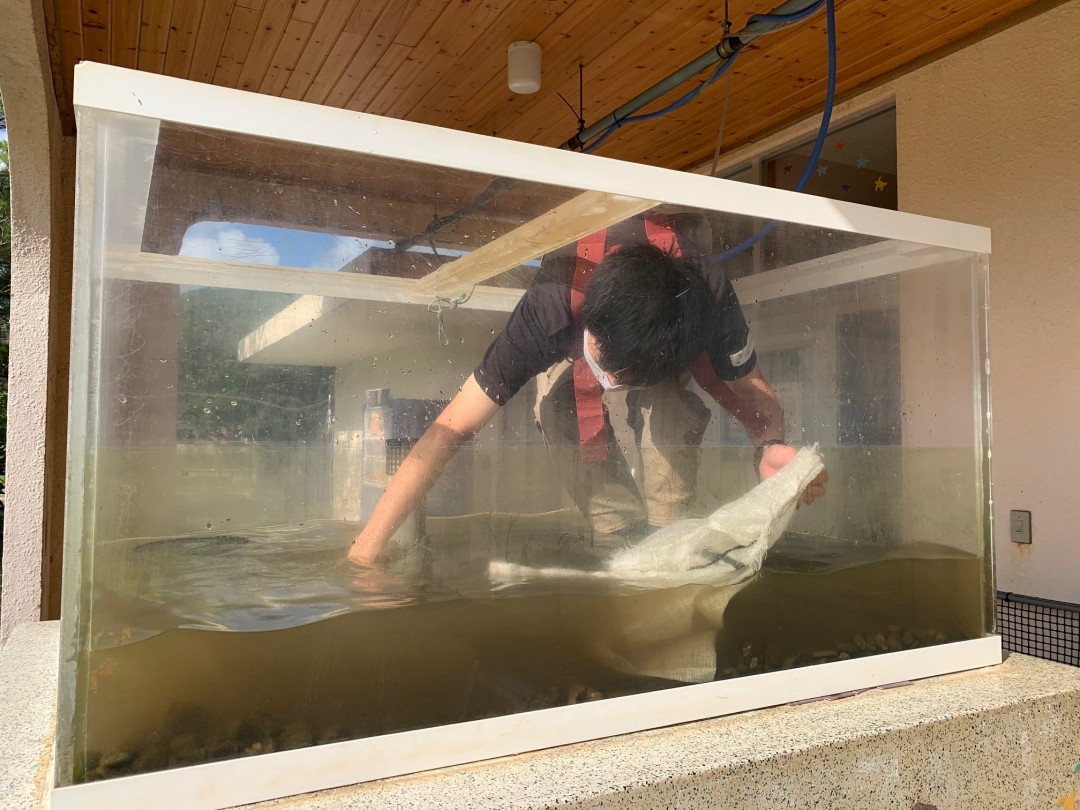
x=223, y=399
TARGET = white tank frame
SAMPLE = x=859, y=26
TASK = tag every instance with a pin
x=248, y=780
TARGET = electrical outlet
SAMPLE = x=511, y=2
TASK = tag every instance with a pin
x=1020, y=526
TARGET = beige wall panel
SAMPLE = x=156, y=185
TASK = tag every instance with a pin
x=42, y=196
x=988, y=135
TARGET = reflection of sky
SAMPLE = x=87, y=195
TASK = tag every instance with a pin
x=261, y=244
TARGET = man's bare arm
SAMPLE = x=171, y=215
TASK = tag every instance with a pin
x=462, y=419
x=760, y=403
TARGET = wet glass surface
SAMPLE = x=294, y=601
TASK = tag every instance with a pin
x=263, y=332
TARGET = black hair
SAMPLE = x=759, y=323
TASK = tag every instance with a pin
x=649, y=312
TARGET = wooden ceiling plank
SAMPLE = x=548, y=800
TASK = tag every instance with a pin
x=486, y=57
x=323, y=37
x=443, y=61
x=392, y=57
x=376, y=37
x=346, y=48
x=183, y=29
x=584, y=214
x=308, y=10
x=366, y=28
x=209, y=39
x=422, y=17
x=271, y=28
x=242, y=26
x=126, y=26
x=155, y=35
x=449, y=39
x=95, y=31
x=297, y=33
x=403, y=44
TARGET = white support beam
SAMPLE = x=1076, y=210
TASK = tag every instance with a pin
x=188, y=270
x=832, y=270
x=584, y=214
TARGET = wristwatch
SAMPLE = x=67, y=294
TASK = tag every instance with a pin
x=759, y=452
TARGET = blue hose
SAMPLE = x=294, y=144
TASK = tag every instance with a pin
x=685, y=99
x=786, y=18
x=823, y=130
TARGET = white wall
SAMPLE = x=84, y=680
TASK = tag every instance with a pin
x=989, y=135
x=42, y=195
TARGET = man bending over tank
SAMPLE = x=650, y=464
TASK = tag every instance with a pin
x=613, y=329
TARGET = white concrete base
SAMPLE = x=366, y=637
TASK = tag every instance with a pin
x=1001, y=737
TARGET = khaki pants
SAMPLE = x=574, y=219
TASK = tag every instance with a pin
x=652, y=436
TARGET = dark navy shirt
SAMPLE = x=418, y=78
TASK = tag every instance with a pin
x=540, y=331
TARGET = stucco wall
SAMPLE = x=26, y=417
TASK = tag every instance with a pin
x=42, y=196
x=988, y=135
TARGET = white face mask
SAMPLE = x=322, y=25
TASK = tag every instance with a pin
x=601, y=375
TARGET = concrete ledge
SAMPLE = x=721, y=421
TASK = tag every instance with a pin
x=28, y=668
x=1001, y=737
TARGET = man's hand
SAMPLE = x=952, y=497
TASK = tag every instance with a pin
x=366, y=548
x=776, y=456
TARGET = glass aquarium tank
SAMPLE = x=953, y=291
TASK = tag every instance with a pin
x=276, y=306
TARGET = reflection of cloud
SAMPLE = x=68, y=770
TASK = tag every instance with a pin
x=219, y=241
x=341, y=251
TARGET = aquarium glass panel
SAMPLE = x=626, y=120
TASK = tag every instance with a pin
x=277, y=344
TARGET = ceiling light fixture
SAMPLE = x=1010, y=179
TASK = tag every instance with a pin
x=523, y=67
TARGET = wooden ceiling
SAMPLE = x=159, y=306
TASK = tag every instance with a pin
x=444, y=61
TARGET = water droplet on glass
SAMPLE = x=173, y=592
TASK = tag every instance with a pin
x=206, y=410
x=208, y=525
x=233, y=403
x=162, y=360
x=298, y=421
x=123, y=399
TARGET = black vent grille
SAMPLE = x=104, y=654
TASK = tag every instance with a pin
x=1039, y=627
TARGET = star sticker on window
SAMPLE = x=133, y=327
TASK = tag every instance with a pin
x=844, y=187
x=862, y=162
x=822, y=170
x=879, y=184
x=1069, y=801
x=787, y=168
x=839, y=146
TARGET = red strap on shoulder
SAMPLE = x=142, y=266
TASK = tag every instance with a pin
x=661, y=235
x=587, y=389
